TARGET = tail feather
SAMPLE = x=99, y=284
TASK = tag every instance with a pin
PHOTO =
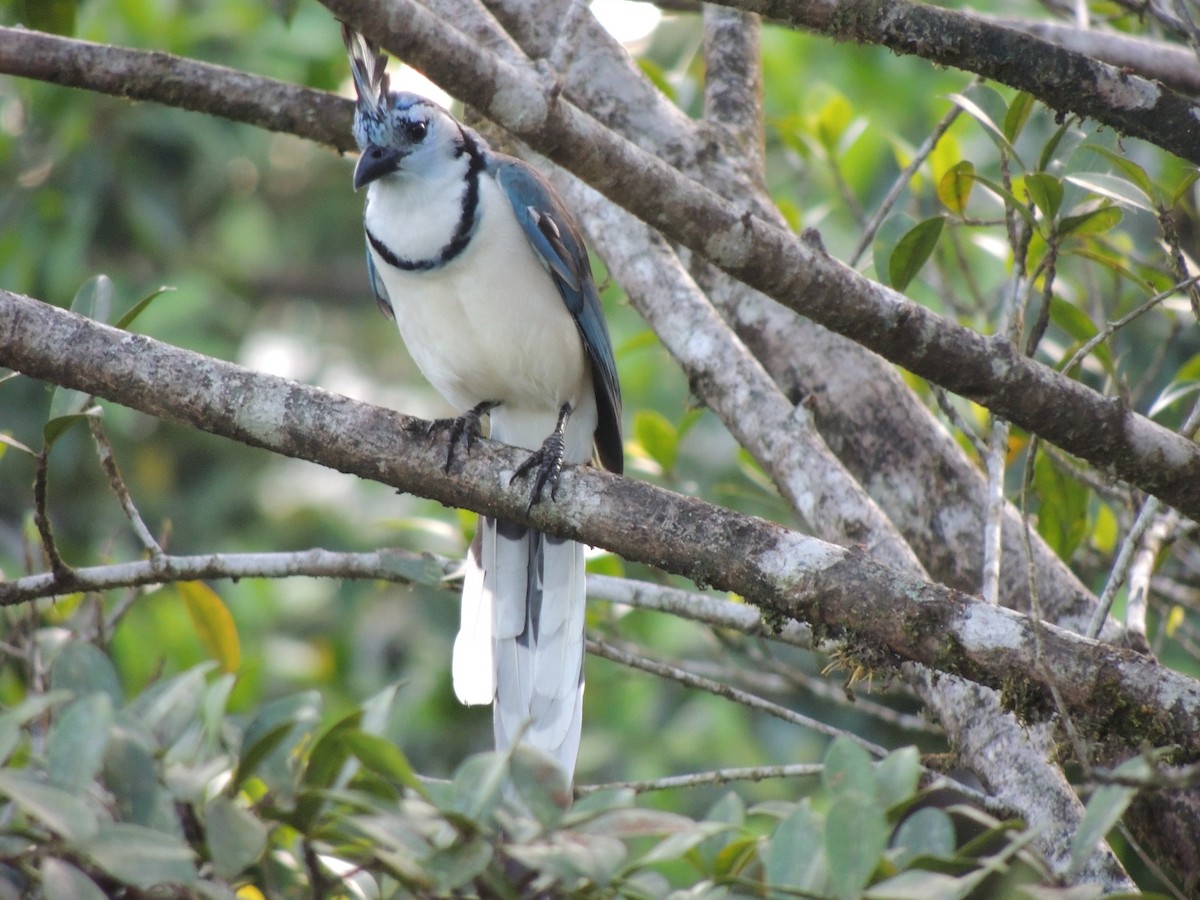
x=473, y=667
x=533, y=587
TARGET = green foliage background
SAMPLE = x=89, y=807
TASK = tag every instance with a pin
x=258, y=237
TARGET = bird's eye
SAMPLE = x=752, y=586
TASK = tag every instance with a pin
x=415, y=131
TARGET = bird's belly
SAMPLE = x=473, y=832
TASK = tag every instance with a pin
x=506, y=338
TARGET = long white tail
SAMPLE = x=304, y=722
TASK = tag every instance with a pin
x=520, y=641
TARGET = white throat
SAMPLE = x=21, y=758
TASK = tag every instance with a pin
x=417, y=214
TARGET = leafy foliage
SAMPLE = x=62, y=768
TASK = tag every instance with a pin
x=169, y=790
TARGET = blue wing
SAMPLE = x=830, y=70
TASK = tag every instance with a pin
x=556, y=240
x=377, y=286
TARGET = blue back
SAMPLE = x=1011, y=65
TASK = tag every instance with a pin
x=556, y=240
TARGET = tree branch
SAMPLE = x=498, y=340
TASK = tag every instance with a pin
x=176, y=81
x=1062, y=79
x=1118, y=694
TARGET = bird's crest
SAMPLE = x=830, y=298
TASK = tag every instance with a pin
x=368, y=65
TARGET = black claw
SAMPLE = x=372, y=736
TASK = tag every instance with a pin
x=463, y=429
x=547, y=460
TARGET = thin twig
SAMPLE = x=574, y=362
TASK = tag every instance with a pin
x=674, y=673
x=61, y=572
x=1157, y=536
x=1133, y=540
x=109, y=463
x=698, y=779
x=700, y=607
x=1163, y=878
x=1117, y=324
x=902, y=180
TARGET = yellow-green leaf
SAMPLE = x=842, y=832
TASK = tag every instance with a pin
x=214, y=624
x=1017, y=115
x=658, y=437
x=954, y=188
x=1046, y=192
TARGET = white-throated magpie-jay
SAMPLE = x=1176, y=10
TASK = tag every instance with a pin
x=474, y=255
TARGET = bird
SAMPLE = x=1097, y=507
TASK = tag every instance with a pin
x=477, y=259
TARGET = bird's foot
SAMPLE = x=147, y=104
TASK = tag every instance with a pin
x=463, y=429
x=547, y=460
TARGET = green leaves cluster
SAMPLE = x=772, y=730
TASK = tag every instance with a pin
x=169, y=791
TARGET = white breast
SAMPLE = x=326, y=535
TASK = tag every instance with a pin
x=490, y=324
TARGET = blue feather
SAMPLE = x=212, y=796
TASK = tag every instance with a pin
x=558, y=244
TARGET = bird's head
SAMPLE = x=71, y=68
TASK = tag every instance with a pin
x=398, y=132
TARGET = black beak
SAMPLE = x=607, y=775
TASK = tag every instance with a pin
x=376, y=162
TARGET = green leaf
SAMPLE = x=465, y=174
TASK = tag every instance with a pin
x=1062, y=508
x=848, y=770
x=94, y=298
x=477, y=784
x=657, y=436
x=833, y=121
x=913, y=250
x=1185, y=185
x=131, y=777
x=254, y=754
x=1132, y=171
x=13, y=720
x=62, y=812
x=730, y=810
x=384, y=758
x=9, y=441
x=1076, y=323
x=453, y=867
x=1011, y=201
x=213, y=622
x=919, y=885
x=1104, y=809
x=896, y=776
x=62, y=881
x=657, y=76
x=236, y=837
x=57, y=426
x=685, y=835
x=140, y=856
x=884, y=245
x=1017, y=115
x=927, y=832
x=541, y=784
x=140, y=307
x=329, y=755
x=592, y=805
x=856, y=834
x=421, y=569
x=1046, y=192
x=734, y=857
x=977, y=112
x=167, y=709
x=638, y=822
x=568, y=857
x=83, y=669
x=954, y=187
x=1051, y=146
x=1098, y=221
x=77, y=740
x=267, y=744
x=1115, y=188
x=795, y=856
